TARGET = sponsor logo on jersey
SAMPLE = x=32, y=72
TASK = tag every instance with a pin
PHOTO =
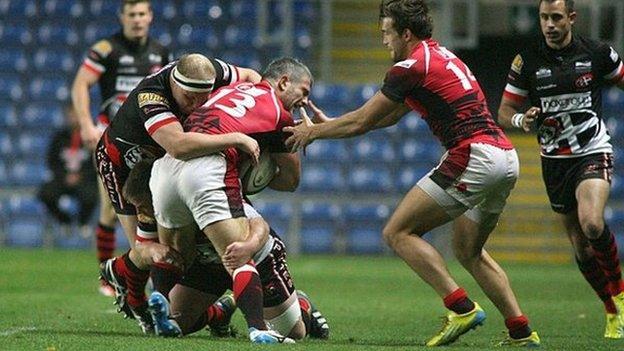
x=517, y=64
x=145, y=99
x=406, y=64
x=583, y=64
x=566, y=102
x=155, y=58
x=614, y=56
x=126, y=60
x=128, y=70
x=545, y=87
x=127, y=83
x=584, y=81
x=543, y=73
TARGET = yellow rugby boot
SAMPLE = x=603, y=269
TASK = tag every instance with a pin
x=613, y=329
x=457, y=324
x=532, y=340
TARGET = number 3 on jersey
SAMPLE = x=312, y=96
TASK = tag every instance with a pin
x=242, y=97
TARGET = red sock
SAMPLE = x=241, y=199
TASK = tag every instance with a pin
x=518, y=327
x=105, y=242
x=596, y=278
x=214, y=314
x=458, y=302
x=606, y=253
x=248, y=295
x=134, y=279
x=306, y=313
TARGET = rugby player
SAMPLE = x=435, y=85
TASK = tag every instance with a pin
x=117, y=64
x=562, y=77
x=469, y=186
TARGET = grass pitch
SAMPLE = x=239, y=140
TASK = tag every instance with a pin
x=49, y=301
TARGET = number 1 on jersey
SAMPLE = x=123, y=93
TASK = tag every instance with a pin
x=464, y=78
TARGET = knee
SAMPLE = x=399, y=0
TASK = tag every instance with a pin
x=592, y=228
x=467, y=257
x=391, y=237
x=298, y=331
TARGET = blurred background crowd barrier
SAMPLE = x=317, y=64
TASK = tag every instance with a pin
x=349, y=187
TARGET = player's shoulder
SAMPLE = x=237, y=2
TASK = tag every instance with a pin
x=103, y=47
x=591, y=45
x=527, y=56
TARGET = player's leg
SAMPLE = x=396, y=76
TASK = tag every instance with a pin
x=189, y=307
x=286, y=318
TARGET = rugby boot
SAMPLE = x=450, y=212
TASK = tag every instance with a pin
x=159, y=310
x=532, y=340
x=108, y=275
x=106, y=289
x=456, y=325
x=220, y=327
x=618, y=301
x=268, y=337
x=143, y=318
x=319, y=329
x=613, y=329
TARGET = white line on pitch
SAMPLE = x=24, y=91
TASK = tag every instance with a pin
x=12, y=331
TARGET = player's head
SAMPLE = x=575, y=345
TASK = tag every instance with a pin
x=292, y=81
x=404, y=23
x=136, y=188
x=135, y=17
x=192, y=80
x=556, y=20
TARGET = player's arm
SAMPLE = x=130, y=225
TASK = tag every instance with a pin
x=248, y=75
x=350, y=124
x=288, y=172
x=391, y=119
x=510, y=113
x=240, y=252
x=186, y=145
x=81, y=102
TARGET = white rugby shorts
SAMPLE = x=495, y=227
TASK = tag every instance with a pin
x=476, y=178
x=202, y=189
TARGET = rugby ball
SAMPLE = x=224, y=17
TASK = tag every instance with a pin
x=254, y=178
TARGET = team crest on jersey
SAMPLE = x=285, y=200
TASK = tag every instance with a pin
x=103, y=48
x=406, y=63
x=145, y=99
x=584, y=81
x=517, y=64
x=614, y=55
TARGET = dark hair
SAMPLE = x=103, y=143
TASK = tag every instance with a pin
x=136, y=188
x=408, y=14
x=133, y=2
x=286, y=66
x=569, y=4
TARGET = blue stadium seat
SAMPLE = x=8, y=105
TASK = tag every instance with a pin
x=8, y=115
x=317, y=239
x=5, y=181
x=20, y=206
x=271, y=211
x=13, y=59
x=201, y=36
x=365, y=240
x=97, y=31
x=29, y=173
x=304, y=10
x=11, y=88
x=75, y=241
x=165, y=9
x=335, y=95
x=25, y=8
x=33, y=145
x=205, y=9
x=238, y=37
x=413, y=151
x=57, y=34
x=364, y=213
x=244, y=10
x=52, y=61
x=242, y=58
x=48, y=89
x=15, y=34
x=373, y=179
x=408, y=177
x=162, y=34
x=21, y=232
x=60, y=9
x=613, y=100
x=320, y=212
x=363, y=93
x=103, y=8
x=322, y=177
x=373, y=150
x=6, y=145
x=42, y=116
x=617, y=187
x=327, y=150
x=412, y=123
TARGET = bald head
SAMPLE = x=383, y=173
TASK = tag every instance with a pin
x=196, y=66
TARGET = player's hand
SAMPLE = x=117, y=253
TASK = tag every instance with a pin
x=250, y=146
x=160, y=253
x=319, y=116
x=529, y=117
x=90, y=136
x=237, y=254
x=301, y=133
